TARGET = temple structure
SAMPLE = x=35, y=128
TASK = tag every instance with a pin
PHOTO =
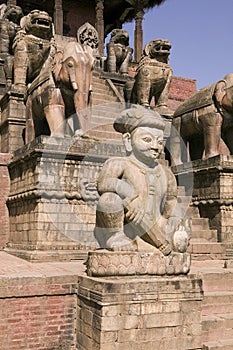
x=69, y=15
x=58, y=290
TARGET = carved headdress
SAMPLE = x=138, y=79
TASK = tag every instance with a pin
x=137, y=116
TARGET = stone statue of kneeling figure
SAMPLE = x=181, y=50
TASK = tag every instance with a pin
x=138, y=192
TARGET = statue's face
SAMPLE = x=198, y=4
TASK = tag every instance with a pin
x=147, y=144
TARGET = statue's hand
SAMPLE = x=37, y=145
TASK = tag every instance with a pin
x=135, y=210
x=172, y=224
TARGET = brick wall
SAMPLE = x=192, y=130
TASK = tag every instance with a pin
x=37, y=313
x=76, y=13
x=4, y=192
x=180, y=89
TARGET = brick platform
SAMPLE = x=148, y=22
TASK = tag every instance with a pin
x=38, y=304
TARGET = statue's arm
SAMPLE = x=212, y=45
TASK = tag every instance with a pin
x=109, y=176
x=110, y=179
x=171, y=196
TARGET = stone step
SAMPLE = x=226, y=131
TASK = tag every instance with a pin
x=104, y=91
x=219, y=345
x=205, y=235
x=217, y=281
x=200, y=223
x=105, y=135
x=193, y=212
x=219, y=302
x=101, y=99
x=217, y=327
x=207, y=250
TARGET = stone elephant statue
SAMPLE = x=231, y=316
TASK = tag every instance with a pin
x=66, y=93
x=153, y=77
x=202, y=120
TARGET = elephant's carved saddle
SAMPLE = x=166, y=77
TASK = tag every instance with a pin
x=202, y=98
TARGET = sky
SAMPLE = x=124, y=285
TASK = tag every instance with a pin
x=200, y=34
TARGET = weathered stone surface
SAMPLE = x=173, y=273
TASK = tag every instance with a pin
x=136, y=313
x=13, y=121
x=105, y=263
x=53, y=197
x=212, y=191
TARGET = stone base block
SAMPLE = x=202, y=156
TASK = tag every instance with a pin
x=105, y=263
x=210, y=182
x=139, y=313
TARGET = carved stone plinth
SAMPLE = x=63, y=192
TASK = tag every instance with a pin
x=13, y=121
x=53, y=196
x=211, y=183
x=2, y=78
x=105, y=263
x=139, y=313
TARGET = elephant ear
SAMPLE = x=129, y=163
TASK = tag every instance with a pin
x=58, y=59
x=220, y=91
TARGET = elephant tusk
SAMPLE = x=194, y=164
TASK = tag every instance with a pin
x=74, y=85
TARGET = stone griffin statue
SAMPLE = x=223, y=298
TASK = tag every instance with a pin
x=138, y=194
x=10, y=16
x=153, y=76
x=118, y=52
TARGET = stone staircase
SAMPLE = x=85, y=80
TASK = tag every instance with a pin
x=217, y=305
x=204, y=244
x=106, y=88
x=208, y=261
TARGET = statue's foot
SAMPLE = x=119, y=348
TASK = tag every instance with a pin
x=164, y=111
x=211, y=154
x=120, y=242
x=79, y=133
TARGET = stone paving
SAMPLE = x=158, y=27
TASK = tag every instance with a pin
x=11, y=266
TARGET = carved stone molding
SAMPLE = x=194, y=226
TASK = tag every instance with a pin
x=106, y=263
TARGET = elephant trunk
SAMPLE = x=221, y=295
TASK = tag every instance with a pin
x=72, y=75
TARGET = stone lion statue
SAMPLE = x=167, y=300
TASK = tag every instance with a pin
x=10, y=16
x=153, y=76
x=118, y=52
x=33, y=46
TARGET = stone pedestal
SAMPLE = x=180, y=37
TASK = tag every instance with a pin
x=53, y=196
x=104, y=263
x=13, y=121
x=139, y=313
x=211, y=183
